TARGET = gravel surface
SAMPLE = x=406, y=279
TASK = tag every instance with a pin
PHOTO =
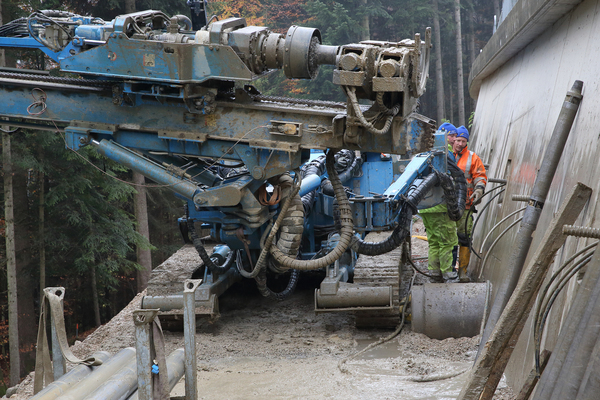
x=262, y=349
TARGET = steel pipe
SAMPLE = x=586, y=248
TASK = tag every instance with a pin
x=100, y=375
x=454, y=310
x=175, y=370
x=520, y=197
x=119, y=386
x=62, y=385
x=350, y=296
x=534, y=209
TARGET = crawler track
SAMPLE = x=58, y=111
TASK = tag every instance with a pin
x=388, y=269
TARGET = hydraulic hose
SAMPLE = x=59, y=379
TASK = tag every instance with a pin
x=261, y=284
x=356, y=164
x=403, y=229
x=308, y=200
x=455, y=194
x=315, y=167
x=212, y=266
x=391, y=113
x=346, y=233
x=262, y=259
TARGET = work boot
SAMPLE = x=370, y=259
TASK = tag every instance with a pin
x=450, y=277
x=464, y=255
x=435, y=275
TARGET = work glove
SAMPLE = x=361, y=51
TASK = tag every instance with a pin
x=477, y=194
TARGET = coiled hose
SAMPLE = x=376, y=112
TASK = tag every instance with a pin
x=346, y=232
x=403, y=229
x=287, y=203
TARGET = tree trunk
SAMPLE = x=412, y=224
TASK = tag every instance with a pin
x=2, y=58
x=11, y=263
x=459, y=66
x=451, y=99
x=366, y=28
x=41, y=228
x=95, y=296
x=140, y=205
x=27, y=279
x=129, y=6
x=472, y=49
x=144, y=257
x=439, y=78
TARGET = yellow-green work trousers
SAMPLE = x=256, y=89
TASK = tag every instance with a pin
x=441, y=237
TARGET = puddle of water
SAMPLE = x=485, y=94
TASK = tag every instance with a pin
x=386, y=350
x=387, y=385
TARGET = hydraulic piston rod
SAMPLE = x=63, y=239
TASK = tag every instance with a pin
x=146, y=167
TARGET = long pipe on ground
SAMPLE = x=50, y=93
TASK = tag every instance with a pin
x=534, y=209
x=91, y=382
x=175, y=370
x=60, y=386
x=119, y=386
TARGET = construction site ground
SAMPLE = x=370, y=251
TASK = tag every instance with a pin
x=283, y=350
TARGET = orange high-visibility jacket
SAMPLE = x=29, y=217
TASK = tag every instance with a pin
x=474, y=171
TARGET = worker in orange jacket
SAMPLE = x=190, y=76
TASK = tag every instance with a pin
x=476, y=177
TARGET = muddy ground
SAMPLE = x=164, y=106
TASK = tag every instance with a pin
x=262, y=349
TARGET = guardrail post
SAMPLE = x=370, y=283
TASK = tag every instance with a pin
x=142, y=320
x=189, y=334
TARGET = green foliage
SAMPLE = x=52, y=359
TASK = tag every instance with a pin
x=88, y=221
x=85, y=210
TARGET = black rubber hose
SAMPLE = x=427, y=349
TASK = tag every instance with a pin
x=455, y=193
x=308, y=200
x=315, y=167
x=214, y=268
x=326, y=186
x=261, y=284
x=409, y=208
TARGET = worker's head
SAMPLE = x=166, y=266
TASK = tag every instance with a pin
x=449, y=130
x=462, y=137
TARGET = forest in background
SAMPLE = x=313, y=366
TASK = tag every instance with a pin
x=76, y=217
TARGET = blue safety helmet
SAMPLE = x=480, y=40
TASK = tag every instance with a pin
x=461, y=131
x=447, y=127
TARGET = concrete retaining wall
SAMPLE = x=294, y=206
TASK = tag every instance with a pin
x=517, y=108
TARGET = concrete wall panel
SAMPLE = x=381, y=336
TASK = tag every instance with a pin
x=517, y=109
